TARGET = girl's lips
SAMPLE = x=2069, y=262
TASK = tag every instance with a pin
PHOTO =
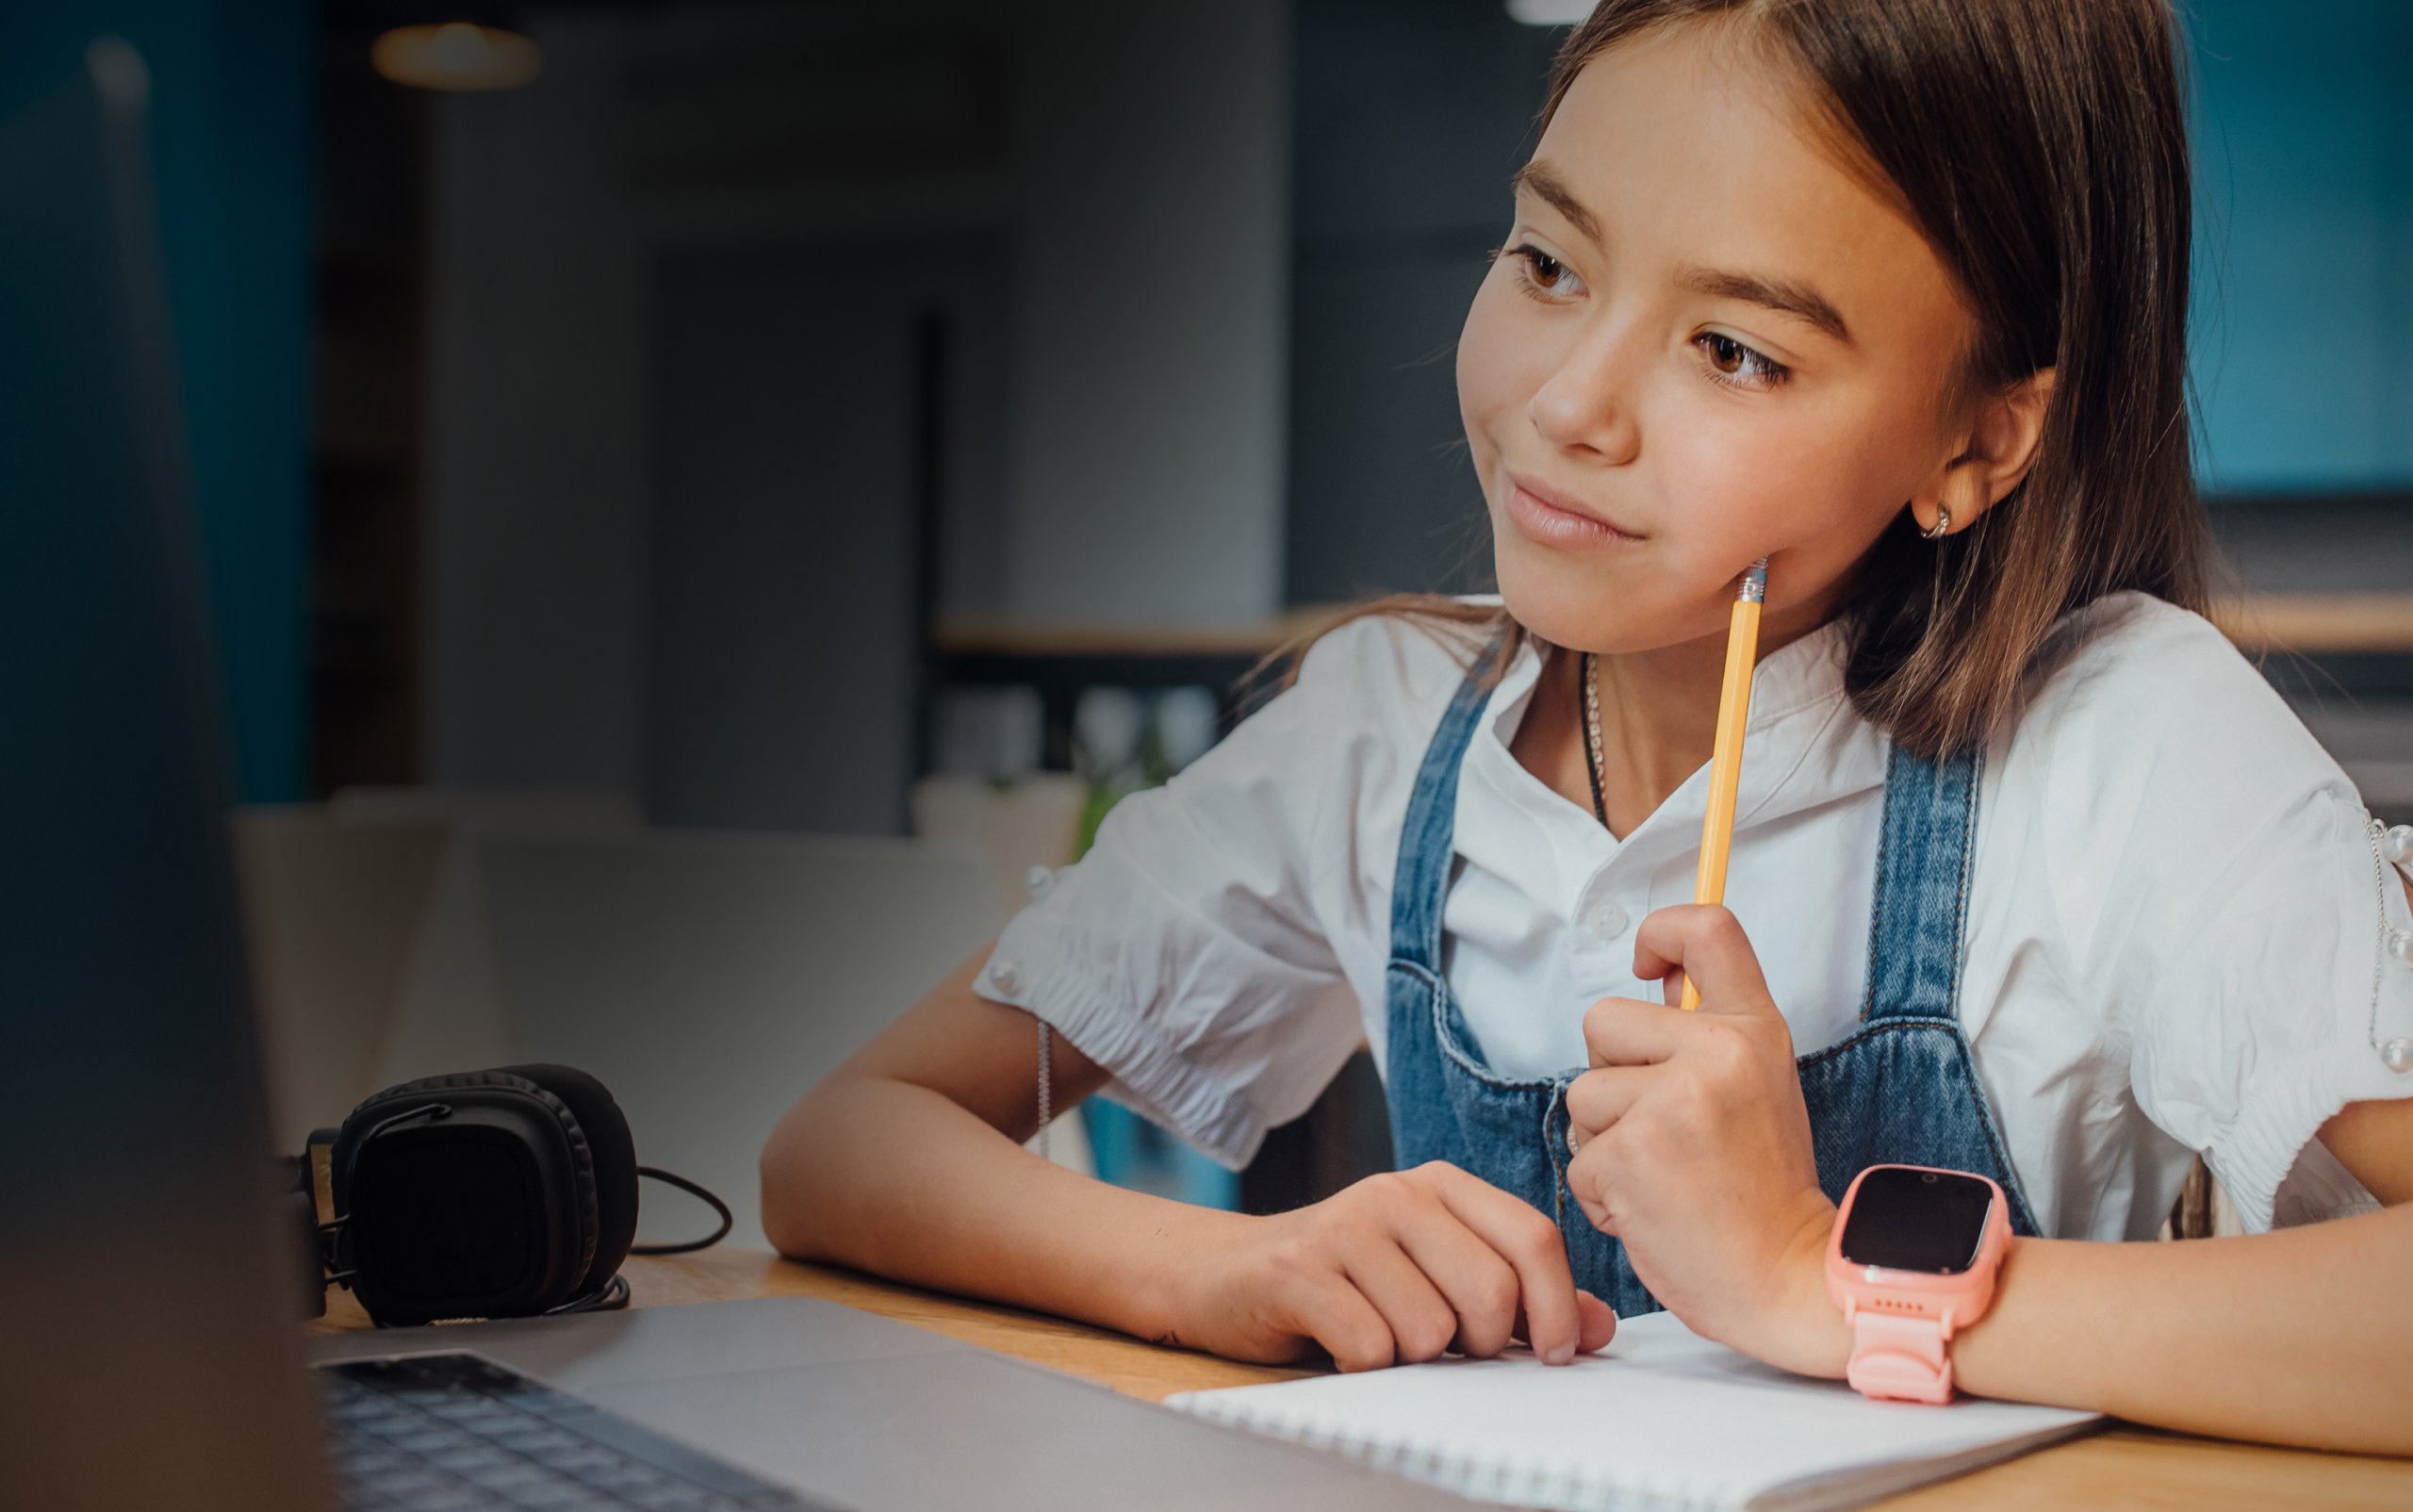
x=1550, y=525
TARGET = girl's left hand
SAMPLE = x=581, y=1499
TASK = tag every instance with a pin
x=1693, y=1147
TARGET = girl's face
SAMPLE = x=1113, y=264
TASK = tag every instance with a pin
x=1704, y=342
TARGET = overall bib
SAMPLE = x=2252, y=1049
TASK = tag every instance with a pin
x=1900, y=1089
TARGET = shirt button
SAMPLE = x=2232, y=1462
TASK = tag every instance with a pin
x=1606, y=920
x=2397, y=1055
x=1039, y=880
x=2400, y=945
x=1003, y=975
x=2397, y=845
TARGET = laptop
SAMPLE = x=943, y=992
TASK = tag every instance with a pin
x=150, y=1285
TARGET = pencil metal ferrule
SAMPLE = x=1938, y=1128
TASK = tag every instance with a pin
x=1756, y=584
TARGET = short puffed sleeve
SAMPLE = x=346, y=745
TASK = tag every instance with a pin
x=2220, y=878
x=1192, y=951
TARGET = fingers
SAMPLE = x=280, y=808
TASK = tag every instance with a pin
x=1346, y=1325
x=1590, y=1184
x=1707, y=944
x=1600, y=1098
x=1626, y=1031
x=1483, y=1289
x=1599, y=1322
x=1422, y=1321
x=1531, y=1245
x=1596, y=1320
x=1409, y=1265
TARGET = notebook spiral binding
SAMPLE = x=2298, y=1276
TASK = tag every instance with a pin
x=1562, y=1486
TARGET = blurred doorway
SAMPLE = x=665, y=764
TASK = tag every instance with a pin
x=829, y=436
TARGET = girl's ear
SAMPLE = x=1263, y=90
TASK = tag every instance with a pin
x=2001, y=446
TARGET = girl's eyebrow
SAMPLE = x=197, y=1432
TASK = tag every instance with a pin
x=1780, y=294
x=1536, y=179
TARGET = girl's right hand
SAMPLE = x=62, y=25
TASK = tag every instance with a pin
x=1397, y=1268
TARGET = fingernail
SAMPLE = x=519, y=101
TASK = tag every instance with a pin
x=1560, y=1353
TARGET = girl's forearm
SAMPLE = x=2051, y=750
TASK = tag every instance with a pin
x=2303, y=1336
x=902, y=1181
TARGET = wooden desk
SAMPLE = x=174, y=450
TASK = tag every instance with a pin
x=2122, y=1467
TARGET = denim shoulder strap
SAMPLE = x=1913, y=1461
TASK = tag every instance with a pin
x=1928, y=834
x=1421, y=879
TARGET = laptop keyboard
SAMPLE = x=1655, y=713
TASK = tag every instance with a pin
x=458, y=1433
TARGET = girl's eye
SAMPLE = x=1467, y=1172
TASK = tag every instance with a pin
x=1732, y=362
x=1542, y=276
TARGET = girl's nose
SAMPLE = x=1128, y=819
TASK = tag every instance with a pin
x=1585, y=402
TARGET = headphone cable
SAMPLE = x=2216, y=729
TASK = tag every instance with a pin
x=692, y=1189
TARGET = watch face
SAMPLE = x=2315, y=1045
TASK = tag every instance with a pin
x=1911, y=1220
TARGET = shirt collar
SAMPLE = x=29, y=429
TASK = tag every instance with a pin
x=1805, y=747
x=1795, y=677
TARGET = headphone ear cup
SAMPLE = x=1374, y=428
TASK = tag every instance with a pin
x=613, y=1155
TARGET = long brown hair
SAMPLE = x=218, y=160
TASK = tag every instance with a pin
x=2039, y=146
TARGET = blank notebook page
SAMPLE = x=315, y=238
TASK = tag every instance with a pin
x=1661, y=1418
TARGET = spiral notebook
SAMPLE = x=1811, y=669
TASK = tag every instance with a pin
x=1661, y=1418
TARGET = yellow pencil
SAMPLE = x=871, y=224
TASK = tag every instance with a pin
x=1726, y=759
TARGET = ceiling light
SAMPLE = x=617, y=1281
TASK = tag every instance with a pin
x=456, y=55
x=1549, y=13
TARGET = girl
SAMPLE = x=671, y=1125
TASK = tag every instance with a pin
x=2041, y=881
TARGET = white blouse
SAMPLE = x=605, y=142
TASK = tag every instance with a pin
x=2173, y=932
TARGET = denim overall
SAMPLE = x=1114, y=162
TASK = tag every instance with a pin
x=1900, y=1089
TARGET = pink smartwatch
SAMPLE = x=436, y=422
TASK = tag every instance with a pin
x=1913, y=1262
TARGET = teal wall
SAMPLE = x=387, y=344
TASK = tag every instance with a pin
x=234, y=85
x=2303, y=304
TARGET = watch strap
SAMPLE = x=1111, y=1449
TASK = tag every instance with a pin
x=1902, y=1358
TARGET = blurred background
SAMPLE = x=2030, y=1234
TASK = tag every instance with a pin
x=702, y=500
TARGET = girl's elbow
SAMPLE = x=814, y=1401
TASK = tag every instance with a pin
x=787, y=1206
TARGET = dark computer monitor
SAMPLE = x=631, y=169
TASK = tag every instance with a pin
x=148, y=1353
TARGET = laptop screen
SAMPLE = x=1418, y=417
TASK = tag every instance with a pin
x=150, y=1301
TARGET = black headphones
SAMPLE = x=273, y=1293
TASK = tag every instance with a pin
x=503, y=1193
